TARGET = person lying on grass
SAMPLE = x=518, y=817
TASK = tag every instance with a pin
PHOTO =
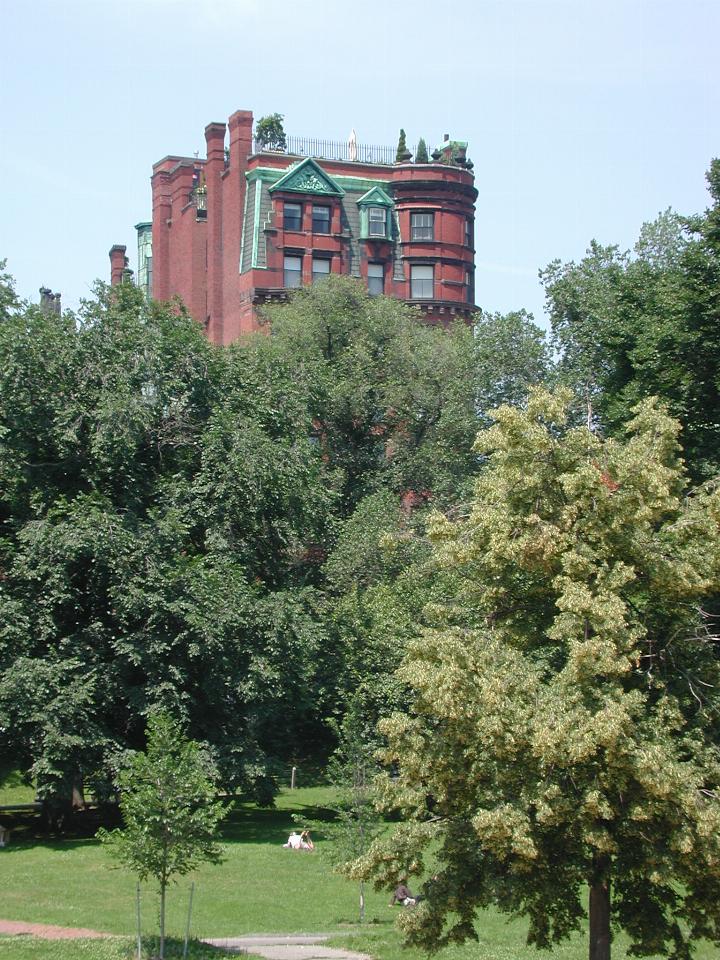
x=299, y=841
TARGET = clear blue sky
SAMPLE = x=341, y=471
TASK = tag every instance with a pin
x=584, y=118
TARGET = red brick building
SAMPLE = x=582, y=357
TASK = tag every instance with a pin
x=246, y=225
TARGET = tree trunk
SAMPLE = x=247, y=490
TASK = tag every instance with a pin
x=600, y=911
x=163, y=888
x=362, y=902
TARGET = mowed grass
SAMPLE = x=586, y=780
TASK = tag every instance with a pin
x=259, y=888
x=34, y=948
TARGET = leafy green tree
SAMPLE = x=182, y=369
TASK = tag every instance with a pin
x=157, y=512
x=391, y=399
x=421, y=154
x=634, y=325
x=270, y=133
x=511, y=355
x=167, y=799
x=565, y=721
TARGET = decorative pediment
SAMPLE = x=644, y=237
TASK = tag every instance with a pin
x=308, y=177
x=375, y=197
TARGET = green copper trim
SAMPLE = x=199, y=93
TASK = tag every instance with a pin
x=256, y=223
x=375, y=197
x=244, y=227
x=308, y=177
x=270, y=175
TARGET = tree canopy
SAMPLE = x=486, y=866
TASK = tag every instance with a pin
x=564, y=720
x=180, y=521
x=629, y=326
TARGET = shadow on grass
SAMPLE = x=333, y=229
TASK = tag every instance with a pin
x=250, y=825
x=174, y=947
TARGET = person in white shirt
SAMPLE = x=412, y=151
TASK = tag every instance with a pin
x=294, y=841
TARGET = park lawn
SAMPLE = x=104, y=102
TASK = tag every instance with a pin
x=34, y=948
x=259, y=888
x=14, y=789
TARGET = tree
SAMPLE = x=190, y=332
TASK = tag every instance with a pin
x=511, y=356
x=158, y=499
x=391, y=399
x=402, y=154
x=167, y=799
x=270, y=133
x=421, y=154
x=565, y=719
x=632, y=325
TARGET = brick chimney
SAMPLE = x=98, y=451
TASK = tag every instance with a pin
x=118, y=263
x=214, y=170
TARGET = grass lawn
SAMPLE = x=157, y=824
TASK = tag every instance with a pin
x=33, y=948
x=260, y=888
x=13, y=788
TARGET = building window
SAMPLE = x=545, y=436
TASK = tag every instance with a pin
x=321, y=219
x=421, y=282
x=421, y=226
x=292, y=216
x=376, y=279
x=468, y=286
x=468, y=232
x=292, y=272
x=376, y=222
x=320, y=268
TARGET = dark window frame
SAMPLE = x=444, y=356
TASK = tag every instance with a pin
x=422, y=231
x=381, y=278
x=320, y=275
x=414, y=294
x=292, y=222
x=317, y=222
x=381, y=220
x=288, y=272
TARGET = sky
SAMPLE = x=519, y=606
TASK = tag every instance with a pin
x=584, y=119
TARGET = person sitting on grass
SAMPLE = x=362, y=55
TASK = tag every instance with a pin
x=305, y=841
x=294, y=841
x=403, y=895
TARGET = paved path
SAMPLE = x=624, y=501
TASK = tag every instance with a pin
x=307, y=946
x=48, y=931
x=303, y=946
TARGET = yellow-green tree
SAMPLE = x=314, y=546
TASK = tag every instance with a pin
x=564, y=730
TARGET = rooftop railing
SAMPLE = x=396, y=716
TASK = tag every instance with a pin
x=332, y=150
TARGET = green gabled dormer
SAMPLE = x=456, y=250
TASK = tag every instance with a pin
x=308, y=177
x=375, y=215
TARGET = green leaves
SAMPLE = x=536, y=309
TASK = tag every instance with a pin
x=167, y=799
x=630, y=326
x=564, y=698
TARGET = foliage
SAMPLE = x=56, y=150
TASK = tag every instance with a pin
x=391, y=399
x=565, y=695
x=156, y=509
x=402, y=153
x=270, y=133
x=511, y=355
x=421, y=153
x=167, y=799
x=633, y=325
x=167, y=507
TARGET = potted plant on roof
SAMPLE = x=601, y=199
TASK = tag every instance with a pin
x=403, y=154
x=270, y=133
